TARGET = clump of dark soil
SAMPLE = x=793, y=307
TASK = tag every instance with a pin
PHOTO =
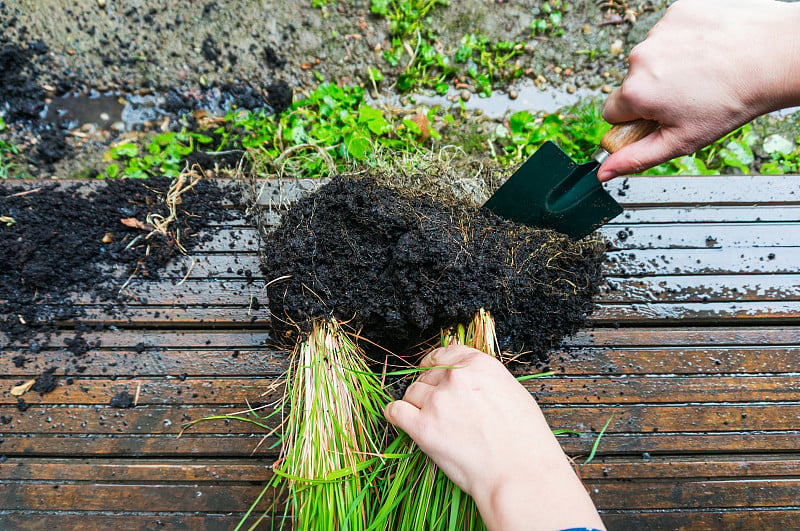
x=21, y=95
x=22, y=100
x=61, y=242
x=122, y=400
x=45, y=382
x=401, y=268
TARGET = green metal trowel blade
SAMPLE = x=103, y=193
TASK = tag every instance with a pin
x=551, y=190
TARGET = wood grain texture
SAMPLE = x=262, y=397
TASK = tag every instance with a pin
x=694, y=355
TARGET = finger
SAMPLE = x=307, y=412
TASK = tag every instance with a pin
x=446, y=356
x=404, y=415
x=650, y=151
x=618, y=108
x=418, y=393
x=432, y=376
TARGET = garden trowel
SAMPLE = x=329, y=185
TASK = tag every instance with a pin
x=553, y=191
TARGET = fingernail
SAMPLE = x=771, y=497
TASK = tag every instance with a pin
x=606, y=175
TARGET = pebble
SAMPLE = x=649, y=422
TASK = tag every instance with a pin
x=465, y=95
x=101, y=3
x=513, y=94
x=570, y=89
x=606, y=89
x=587, y=29
x=616, y=47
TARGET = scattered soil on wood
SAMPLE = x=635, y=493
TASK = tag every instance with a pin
x=66, y=246
x=400, y=268
x=122, y=400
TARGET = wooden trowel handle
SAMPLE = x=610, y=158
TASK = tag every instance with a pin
x=620, y=135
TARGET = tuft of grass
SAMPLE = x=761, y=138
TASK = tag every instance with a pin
x=417, y=495
x=333, y=436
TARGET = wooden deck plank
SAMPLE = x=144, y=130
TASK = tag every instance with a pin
x=237, y=338
x=666, y=288
x=741, y=519
x=639, y=262
x=83, y=520
x=239, y=470
x=702, y=235
x=627, y=418
x=244, y=443
x=129, y=497
x=669, y=312
x=695, y=352
x=599, y=389
x=199, y=362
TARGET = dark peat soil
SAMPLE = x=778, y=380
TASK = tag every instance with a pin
x=64, y=242
x=401, y=268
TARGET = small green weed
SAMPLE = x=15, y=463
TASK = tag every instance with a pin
x=334, y=126
x=734, y=152
x=488, y=62
x=8, y=154
x=577, y=131
x=416, y=44
x=164, y=156
x=548, y=19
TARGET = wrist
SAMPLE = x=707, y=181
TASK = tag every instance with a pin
x=546, y=497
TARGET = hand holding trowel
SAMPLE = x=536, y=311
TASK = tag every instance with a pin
x=553, y=191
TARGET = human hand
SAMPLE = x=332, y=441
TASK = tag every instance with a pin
x=706, y=68
x=488, y=435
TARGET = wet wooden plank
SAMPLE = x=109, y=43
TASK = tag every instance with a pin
x=746, y=190
x=694, y=236
x=697, y=467
x=722, y=288
x=253, y=444
x=686, y=360
x=123, y=497
x=650, y=262
x=627, y=418
x=661, y=213
x=668, y=288
x=131, y=445
x=266, y=363
x=702, y=313
x=644, y=262
x=705, y=494
x=651, y=236
x=205, y=498
x=554, y=390
x=128, y=363
x=689, y=337
x=742, y=519
x=176, y=391
x=146, y=340
x=635, y=312
x=614, y=520
x=252, y=470
x=138, y=470
x=33, y=520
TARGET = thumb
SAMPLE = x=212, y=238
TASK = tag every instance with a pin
x=637, y=157
x=404, y=415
